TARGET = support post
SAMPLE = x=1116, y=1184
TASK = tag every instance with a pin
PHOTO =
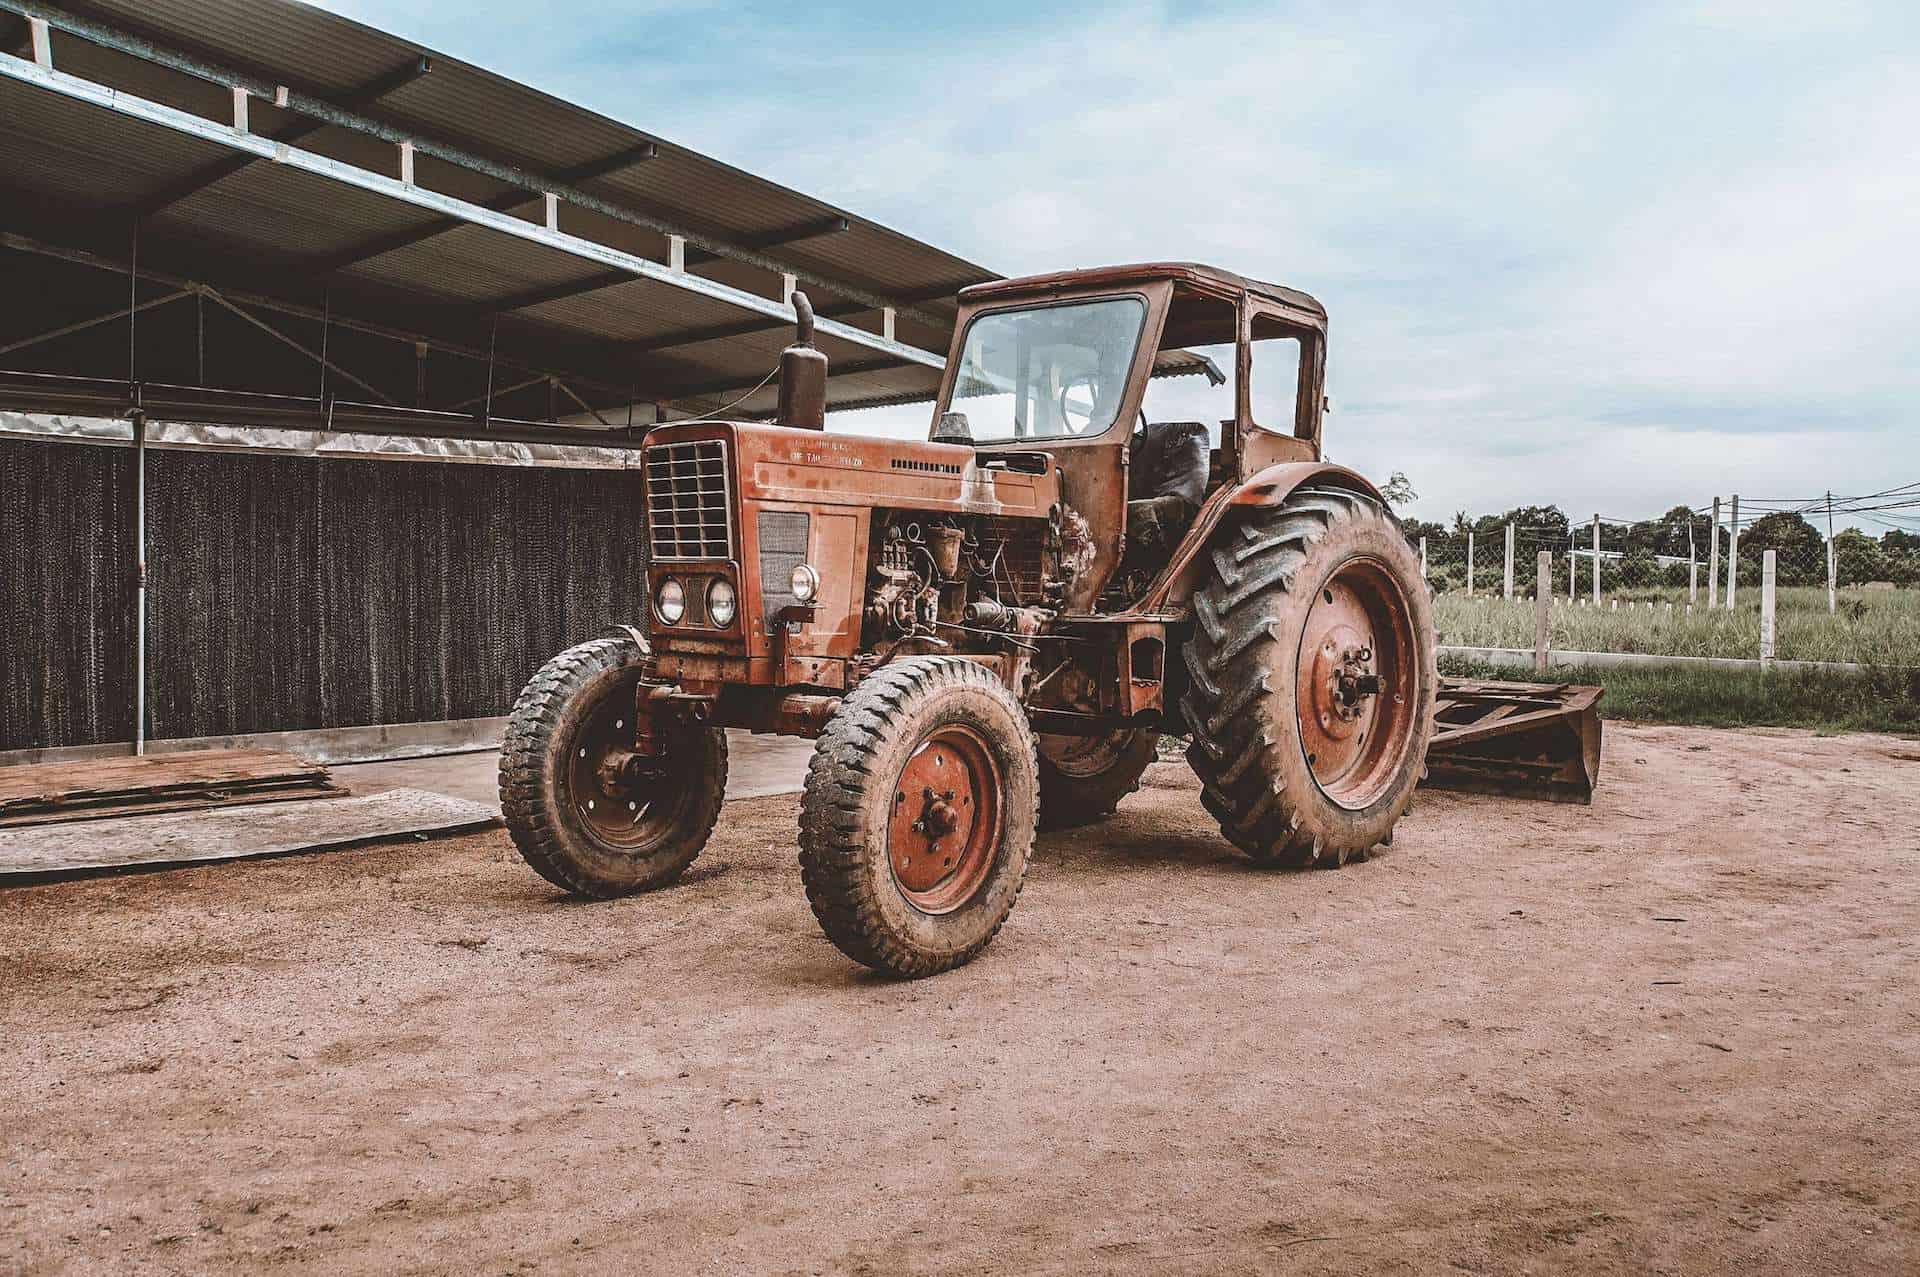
x=139, y=419
x=1509, y=567
x=1542, y=607
x=1423, y=558
x=1713, y=559
x=1833, y=595
x=1733, y=549
x=1596, y=560
x=42, y=42
x=1469, y=562
x=1693, y=567
x=1766, y=609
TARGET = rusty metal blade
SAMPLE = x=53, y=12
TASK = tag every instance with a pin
x=1525, y=740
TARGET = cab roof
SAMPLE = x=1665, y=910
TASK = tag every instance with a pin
x=1208, y=278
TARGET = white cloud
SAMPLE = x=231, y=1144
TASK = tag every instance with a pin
x=1613, y=258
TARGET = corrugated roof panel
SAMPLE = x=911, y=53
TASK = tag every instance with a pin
x=273, y=227
x=81, y=156
x=270, y=210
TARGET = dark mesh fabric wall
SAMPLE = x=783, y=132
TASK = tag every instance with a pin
x=290, y=593
x=66, y=594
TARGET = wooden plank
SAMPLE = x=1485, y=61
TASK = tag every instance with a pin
x=147, y=806
x=60, y=781
x=232, y=833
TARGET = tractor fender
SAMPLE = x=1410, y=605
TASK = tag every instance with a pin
x=1268, y=487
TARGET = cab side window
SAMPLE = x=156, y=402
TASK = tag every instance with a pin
x=1275, y=382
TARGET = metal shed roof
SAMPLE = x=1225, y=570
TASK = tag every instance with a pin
x=275, y=149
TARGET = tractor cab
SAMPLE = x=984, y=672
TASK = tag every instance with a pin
x=1151, y=386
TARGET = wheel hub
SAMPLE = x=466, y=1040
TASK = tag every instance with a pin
x=1354, y=710
x=945, y=820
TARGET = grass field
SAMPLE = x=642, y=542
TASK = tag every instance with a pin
x=1874, y=627
x=1881, y=700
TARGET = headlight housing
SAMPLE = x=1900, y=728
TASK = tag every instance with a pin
x=722, y=602
x=670, y=601
x=805, y=583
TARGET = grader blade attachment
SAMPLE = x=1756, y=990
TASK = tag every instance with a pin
x=1525, y=740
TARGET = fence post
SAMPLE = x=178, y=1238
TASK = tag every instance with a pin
x=1733, y=549
x=1423, y=558
x=1542, y=602
x=1509, y=569
x=1713, y=559
x=1596, y=560
x=1469, y=562
x=1693, y=568
x=1766, y=609
x=1833, y=598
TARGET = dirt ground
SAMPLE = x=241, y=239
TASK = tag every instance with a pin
x=1674, y=1032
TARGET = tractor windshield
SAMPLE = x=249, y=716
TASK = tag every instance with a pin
x=1047, y=372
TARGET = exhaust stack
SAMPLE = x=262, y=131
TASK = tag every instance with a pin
x=803, y=375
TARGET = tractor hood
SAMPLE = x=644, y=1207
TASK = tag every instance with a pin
x=780, y=464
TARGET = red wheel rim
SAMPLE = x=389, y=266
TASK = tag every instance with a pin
x=945, y=823
x=1356, y=688
x=625, y=808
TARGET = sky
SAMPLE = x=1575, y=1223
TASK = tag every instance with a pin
x=1613, y=257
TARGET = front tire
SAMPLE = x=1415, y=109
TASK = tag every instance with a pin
x=918, y=816
x=1312, y=679
x=574, y=826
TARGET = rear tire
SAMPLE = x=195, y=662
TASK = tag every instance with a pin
x=570, y=828
x=914, y=883
x=1305, y=605
x=1084, y=778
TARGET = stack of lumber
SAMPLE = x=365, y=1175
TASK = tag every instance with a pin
x=51, y=793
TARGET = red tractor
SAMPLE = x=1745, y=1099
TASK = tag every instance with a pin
x=989, y=631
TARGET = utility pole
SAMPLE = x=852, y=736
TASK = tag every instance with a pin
x=1713, y=560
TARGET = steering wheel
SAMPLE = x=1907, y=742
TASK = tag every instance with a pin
x=1079, y=400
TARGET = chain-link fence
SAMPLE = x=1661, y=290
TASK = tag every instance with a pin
x=1680, y=586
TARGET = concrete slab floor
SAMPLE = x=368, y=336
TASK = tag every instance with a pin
x=756, y=765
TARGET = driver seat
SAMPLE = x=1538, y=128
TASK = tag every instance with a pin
x=1166, y=482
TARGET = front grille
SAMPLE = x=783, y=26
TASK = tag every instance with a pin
x=783, y=547
x=687, y=500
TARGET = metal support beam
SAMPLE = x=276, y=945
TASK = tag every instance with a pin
x=791, y=235
x=421, y=197
x=367, y=94
x=318, y=358
x=530, y=184
x=743, y=328
x=851, y=369
x=139, y=581
x=500, y=393
x=557, y=292
x=95, y=322
x=505, y=202
x=26, y=244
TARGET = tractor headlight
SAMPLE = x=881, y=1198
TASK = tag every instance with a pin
x=805, y=583
x=722, y=602
x=670, y=602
